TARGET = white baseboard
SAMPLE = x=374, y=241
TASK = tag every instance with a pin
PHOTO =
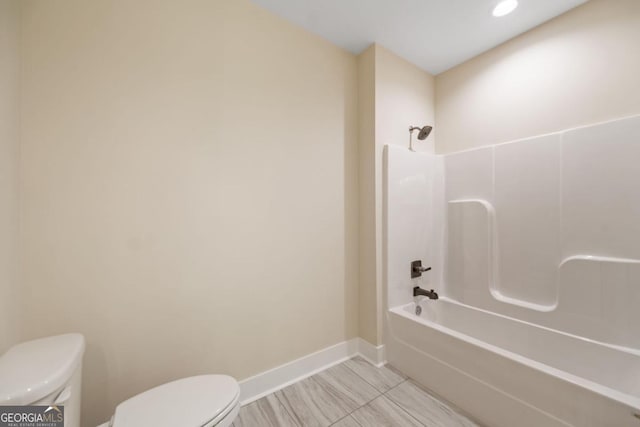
x=373, y=354
x=264, y=383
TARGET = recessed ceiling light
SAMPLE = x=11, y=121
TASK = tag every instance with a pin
x=505, y=7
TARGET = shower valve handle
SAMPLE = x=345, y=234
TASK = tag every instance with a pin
x=417, y=269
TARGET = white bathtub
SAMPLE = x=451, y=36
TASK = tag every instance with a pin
x=507, y=372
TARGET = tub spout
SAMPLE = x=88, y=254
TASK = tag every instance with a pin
x=417, y=291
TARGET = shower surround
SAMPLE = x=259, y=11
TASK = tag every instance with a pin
x=535, y=249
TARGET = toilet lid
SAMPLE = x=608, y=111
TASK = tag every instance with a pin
x=189, y=402
x=34, y=369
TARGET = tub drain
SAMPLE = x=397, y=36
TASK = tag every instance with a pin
x=418, y=310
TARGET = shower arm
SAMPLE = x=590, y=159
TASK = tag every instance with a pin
x=411, y=129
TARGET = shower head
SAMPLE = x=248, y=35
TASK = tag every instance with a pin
x=424, y=131
x=422, y=135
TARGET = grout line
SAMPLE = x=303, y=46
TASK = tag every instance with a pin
x=374, y=366
x=390, y=400
x=346, y=416
x=296, y=419
x=441, y=401
x=403, y=409
x=357, y=409
x=366, y=403
x=363, y=378
x=380, y=393
x=396, y=386
x=349, y=413
x=447, y=403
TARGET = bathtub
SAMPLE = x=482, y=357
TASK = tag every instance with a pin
x=502, y=371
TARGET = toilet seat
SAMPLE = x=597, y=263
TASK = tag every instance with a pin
x=201, y=401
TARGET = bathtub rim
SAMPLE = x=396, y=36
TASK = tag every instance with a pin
x=604, y=391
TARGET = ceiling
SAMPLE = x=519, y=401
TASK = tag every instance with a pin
x=433, y=34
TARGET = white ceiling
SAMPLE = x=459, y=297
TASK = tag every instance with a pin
x=433, y=34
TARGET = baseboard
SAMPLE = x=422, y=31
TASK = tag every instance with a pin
x=373, y=354
x=264, y=383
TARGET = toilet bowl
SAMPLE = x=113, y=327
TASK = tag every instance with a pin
x=45, y=372
x=200, y=401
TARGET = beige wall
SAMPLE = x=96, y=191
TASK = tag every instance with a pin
x=9, y=125
x=578, y=69
x=189, y=173
x=394, y=94
x=368, y=319
x=405, y=96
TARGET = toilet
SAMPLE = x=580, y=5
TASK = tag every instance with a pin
x=200, y=401
x=46, y=372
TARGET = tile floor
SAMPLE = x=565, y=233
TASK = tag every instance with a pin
x=352, y=394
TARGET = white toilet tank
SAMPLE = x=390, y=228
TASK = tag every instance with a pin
x=47, y=371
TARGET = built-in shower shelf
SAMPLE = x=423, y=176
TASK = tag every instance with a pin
x=474, y=240
x=521, y=303
x=601, y=259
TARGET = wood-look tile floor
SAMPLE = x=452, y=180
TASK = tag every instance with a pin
x=352, y=394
